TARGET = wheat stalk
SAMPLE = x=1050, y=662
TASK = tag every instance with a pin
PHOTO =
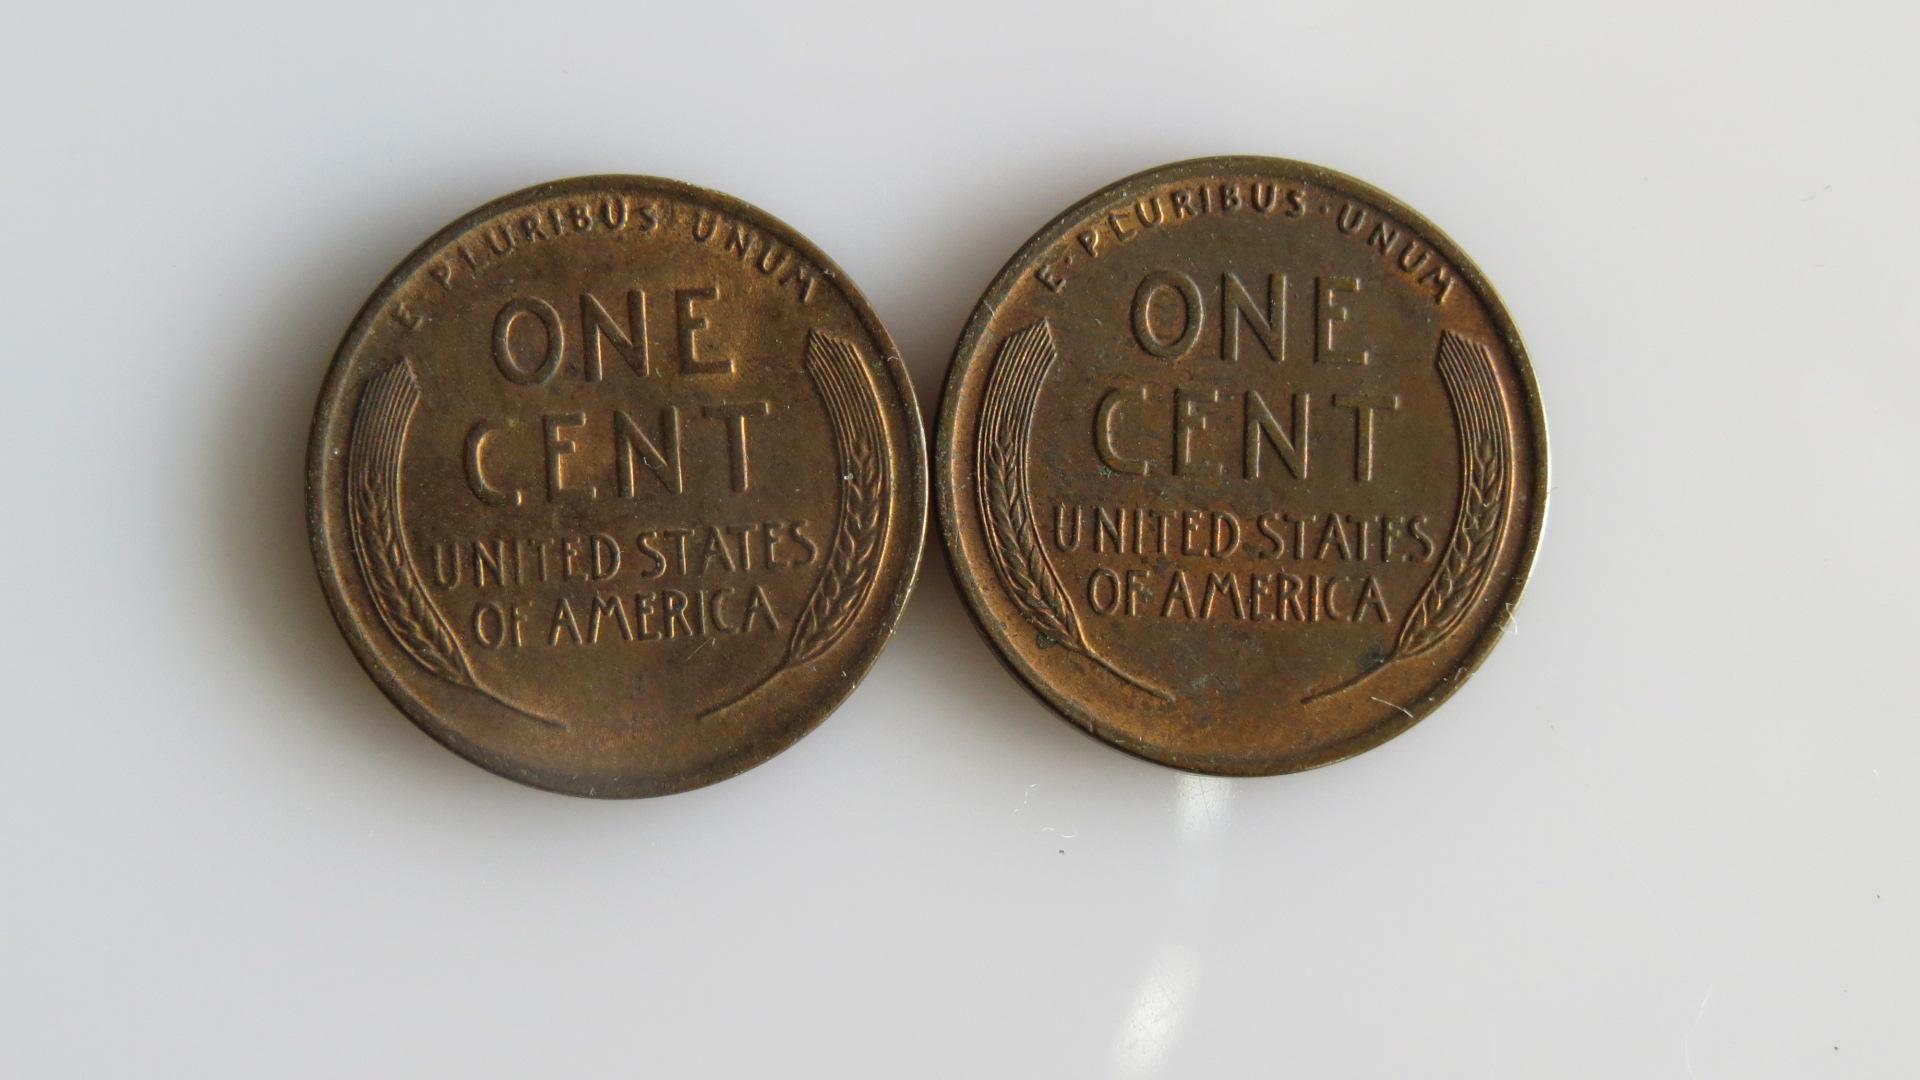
x=380, y=546
x=1466, y=370
x=1006, y=509
x=846, y=388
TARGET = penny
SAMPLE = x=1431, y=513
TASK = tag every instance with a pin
x=617, y=486
x=1241, y=465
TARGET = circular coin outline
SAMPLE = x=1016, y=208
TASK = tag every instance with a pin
x=909, y=534
x=951, y=508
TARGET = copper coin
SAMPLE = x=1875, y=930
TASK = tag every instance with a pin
x=617, y=486
x=1241, y=465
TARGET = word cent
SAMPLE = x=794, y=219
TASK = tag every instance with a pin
x=1241, y=465
x=617, y=486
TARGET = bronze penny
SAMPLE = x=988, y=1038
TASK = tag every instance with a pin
x=1241, y=465
x=617, y=486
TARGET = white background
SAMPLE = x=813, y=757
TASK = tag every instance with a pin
x=1668, y=831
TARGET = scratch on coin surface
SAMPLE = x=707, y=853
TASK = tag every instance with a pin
x=1401, y=708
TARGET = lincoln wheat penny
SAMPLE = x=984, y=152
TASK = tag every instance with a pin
x=617, y=486
x=1241, y=465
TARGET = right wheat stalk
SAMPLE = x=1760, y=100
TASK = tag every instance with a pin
x=1466, y=370
x=840, y=375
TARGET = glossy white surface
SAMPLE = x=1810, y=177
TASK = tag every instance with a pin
x=1668, y=831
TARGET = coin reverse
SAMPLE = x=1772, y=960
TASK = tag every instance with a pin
x=1241, y=465
x=617, y=486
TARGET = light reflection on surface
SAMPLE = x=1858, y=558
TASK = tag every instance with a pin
x=1154, y=1017
x=1203, y=806
x=1202, y=813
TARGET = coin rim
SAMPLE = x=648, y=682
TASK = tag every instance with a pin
x=950, y=511
x=911, y=537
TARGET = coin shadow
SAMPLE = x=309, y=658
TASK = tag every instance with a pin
x=260, y=564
